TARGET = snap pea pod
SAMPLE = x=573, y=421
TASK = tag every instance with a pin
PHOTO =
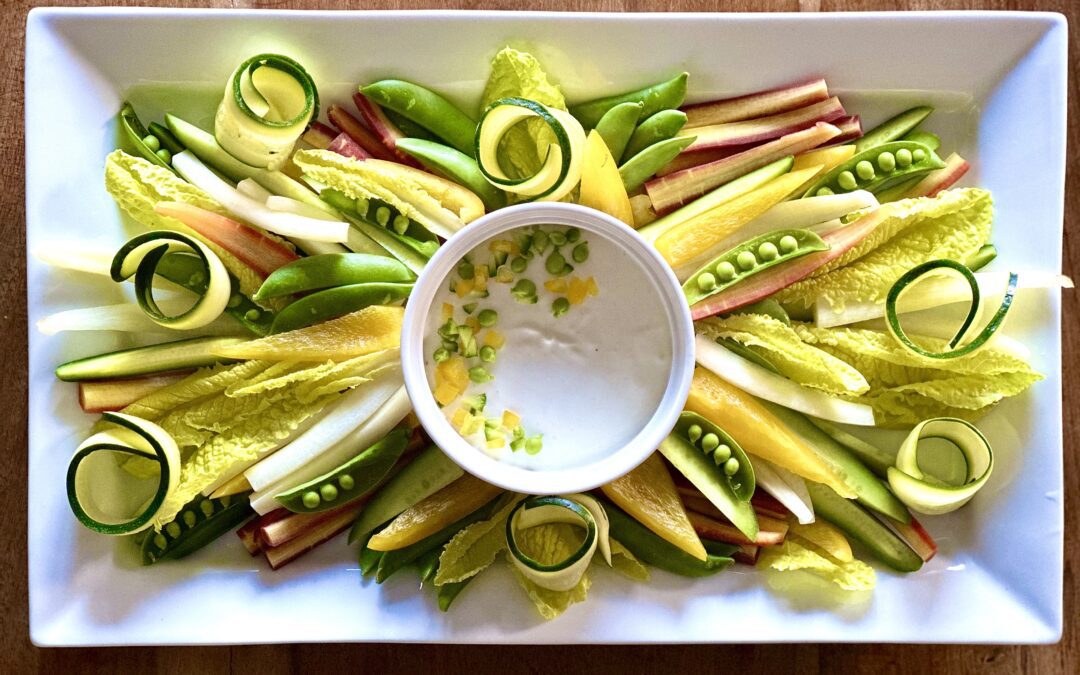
x=392, y=561
x=711, y=459
x=369, y=560
x=719, y=548
x=617, y=126
x=200, y=522
x=350, y=480
x=142, y=140
x=409, y=128
x=661, y=96
x=426, y=108
x=893, y=128
x=898, y=191
x=932, y=141
x=659, y=127
x=644, y=165
x=328, y=270
x=166, y=138
x=749, y=354
x=382, y=216
x=334, y=302
x=428, y=565
x=186, y=270
x=748, y=258
x=878, y=169
x=652, y=550
x=455, y=165
x=447, y=593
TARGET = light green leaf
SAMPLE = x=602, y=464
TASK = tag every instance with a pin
x=624, y=562
x=474, y=548
x=792, y=556
x=519, y=74
x=954, y=224
x=782, y=347
x=906, y=388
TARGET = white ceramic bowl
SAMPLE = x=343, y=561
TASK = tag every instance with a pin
x=647, y=433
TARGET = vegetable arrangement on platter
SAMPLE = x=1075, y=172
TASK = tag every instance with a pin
x=837, y=279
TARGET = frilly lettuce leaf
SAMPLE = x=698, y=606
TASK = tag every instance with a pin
x=375, y=180
x=549, y=544
x=792, y=556
x=473, y=549
x=906, y=388
x=782, y=346
x=954, y=224
x=519, y=74
x=137, y=185
x=225, y=417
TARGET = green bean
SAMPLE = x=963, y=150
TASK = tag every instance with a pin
x=877, y=169
x=328, y=270
x=652, y=550
x=334, y=302
x=654, y=98
x=447, y=593
x=893, y=128
x=456, y=166
x=428, y=565
x=200, y=522
x=659, y=127
x=748, y=258
x=426, y=108
x=617, y=126
x=644, y=165
x=350, y=480
x=369, y=560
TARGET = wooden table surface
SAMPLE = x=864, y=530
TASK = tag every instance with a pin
x=17, y=655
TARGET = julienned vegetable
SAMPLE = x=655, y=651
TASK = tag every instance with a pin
x=106, y=497
x=140, y=257
x=930, y=496
x=577, y=509
x=955, y=349
x=268, y=102
x=561, y=170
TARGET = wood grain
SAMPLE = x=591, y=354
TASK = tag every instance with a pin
x=17, y=655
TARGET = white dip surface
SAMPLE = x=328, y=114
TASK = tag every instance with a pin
x=589, y=380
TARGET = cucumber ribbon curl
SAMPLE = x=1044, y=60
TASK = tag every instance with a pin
x=140, y=256
x=103, y=494
x=909, y=279
x=575, y=509
x=925, y=494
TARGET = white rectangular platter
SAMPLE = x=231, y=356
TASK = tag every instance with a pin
x=998, y=81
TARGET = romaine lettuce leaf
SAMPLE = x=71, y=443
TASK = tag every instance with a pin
x=954, y=224
x=519, y=74
x=792, y=556
x=624, y=562
x=782, y=347
x=906, y=388
x=137, y=186
x=474, y=548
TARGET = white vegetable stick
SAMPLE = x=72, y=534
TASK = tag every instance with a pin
x=127, y=317
x=766, y=384
x=356, y=406
x=364, y=436
x=297, y=207
x=938, y=291
x=255, y=211
x=252, y=189
x=80, y=256
x=788, y=489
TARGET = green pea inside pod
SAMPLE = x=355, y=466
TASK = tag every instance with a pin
x=716, y=465
x=748, y=258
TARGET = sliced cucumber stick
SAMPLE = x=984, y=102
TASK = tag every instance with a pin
x=857, y=523
x=162, y=358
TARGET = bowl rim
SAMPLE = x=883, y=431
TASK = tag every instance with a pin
x=564, y=480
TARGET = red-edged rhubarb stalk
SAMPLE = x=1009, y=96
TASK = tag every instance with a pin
x=248, y=534
x=343, y=144
x=763, y=503
x=385, y=130
x=324, y=530
x=759, y=130
x=346, y=123
x=760, y=286
x=850, y=129
x=110, y=395
x=936, y=181
x=672, y=191
x=757, y=104
x=261, y=253
x=686, y=160
x=771, y=531
x=914, y=535
x=319, y=135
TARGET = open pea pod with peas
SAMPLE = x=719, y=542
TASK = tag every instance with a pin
x=877, y=169
x=715, y=463
x=156, y=145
